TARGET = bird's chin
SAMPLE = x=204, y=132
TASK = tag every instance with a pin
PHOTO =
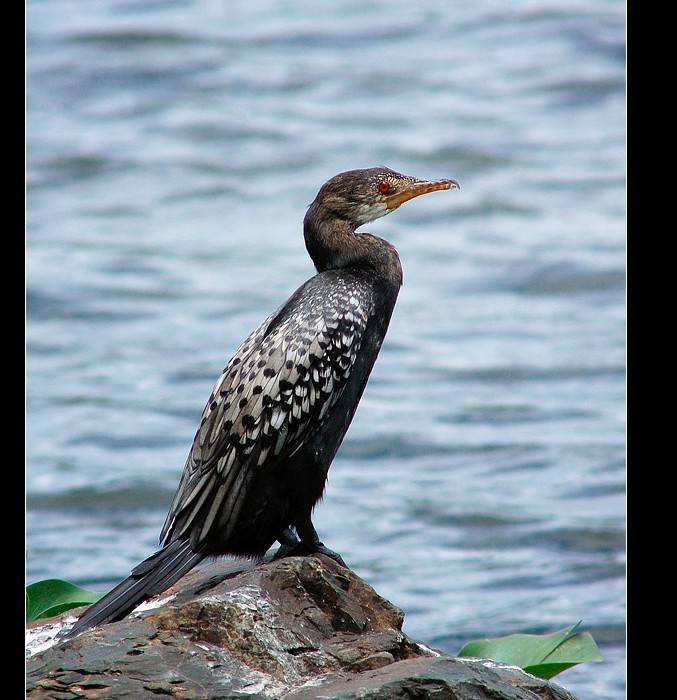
x=371, y=212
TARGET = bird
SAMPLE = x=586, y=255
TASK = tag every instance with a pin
x=281, y=407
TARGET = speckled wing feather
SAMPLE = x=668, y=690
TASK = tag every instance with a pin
x=276, y=391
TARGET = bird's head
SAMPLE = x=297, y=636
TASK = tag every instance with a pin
x=361, y=196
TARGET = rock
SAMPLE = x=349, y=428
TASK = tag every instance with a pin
x=301, y=628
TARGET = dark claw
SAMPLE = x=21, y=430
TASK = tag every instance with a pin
x=321, y=549
x=292, y=546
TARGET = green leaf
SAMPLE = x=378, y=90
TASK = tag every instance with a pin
x=574, y=650
x=54, y=596
x=542, y=655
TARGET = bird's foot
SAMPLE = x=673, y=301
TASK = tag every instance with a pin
x=292, y=546
x=321, y=549
x=289, y=542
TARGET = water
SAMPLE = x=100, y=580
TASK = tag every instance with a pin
x=172, y=149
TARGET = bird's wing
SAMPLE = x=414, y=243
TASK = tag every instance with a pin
x=274, y=393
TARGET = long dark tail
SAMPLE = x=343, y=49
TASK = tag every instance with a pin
x=151, y=577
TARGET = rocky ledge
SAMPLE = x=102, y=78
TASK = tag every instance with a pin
x=301, y=628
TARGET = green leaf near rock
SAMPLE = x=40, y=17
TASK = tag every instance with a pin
x=54, y=596
x=542, y=655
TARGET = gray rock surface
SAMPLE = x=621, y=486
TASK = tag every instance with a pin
x=301, y=628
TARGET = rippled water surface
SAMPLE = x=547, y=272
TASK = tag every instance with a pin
x=172, y=149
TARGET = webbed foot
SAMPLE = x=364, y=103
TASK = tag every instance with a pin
x=304, y=544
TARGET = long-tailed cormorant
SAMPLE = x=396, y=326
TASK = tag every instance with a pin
x=281, y=407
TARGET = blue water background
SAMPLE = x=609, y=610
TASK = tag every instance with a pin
x=172, y=149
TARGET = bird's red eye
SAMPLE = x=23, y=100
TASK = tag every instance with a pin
x=383, y=187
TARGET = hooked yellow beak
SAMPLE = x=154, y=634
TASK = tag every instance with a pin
x=409, y=190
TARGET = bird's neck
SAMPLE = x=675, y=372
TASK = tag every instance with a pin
x=332, y=243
